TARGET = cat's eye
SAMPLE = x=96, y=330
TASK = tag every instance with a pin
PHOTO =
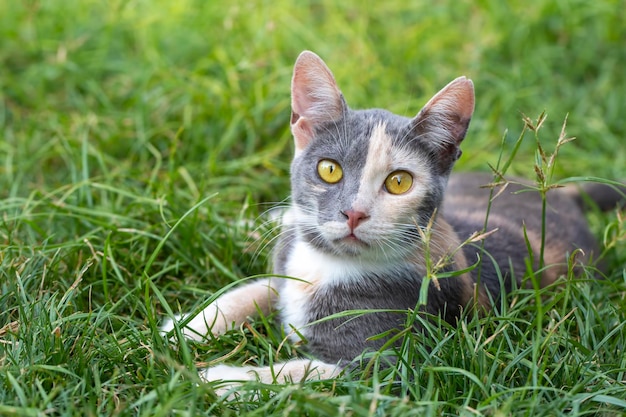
x=398, y=182
x=330, y=171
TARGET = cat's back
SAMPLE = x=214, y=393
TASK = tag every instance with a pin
x=515, y=213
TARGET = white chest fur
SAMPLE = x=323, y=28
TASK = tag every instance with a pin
x=313, y=270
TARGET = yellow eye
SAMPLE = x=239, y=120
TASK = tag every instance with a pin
x=398, y=182
x=330, y=171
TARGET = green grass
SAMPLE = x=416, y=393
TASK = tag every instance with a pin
x=141, y=141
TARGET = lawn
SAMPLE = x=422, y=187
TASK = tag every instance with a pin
x=142, y=141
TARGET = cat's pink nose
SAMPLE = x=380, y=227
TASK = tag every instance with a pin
x=355, y=217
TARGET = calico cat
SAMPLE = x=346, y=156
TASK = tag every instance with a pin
x=372, y=204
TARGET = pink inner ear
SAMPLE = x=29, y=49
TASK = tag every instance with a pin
x=315, y=97
x=314, y=92
x=302, y=133
x=446, y=116
x=455, y=99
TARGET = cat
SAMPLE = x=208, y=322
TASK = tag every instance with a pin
x=372, y=205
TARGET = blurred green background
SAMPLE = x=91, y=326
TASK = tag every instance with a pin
x=140, y=141
x=203, y=86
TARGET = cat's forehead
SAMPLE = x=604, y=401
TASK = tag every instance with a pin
x=367, y=134
x=365, y=122
x=389, y=150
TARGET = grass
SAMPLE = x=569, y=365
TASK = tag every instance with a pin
x=141, y=140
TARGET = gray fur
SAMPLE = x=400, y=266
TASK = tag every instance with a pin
x=344, y=339
x=346, y=140
x=512, y=211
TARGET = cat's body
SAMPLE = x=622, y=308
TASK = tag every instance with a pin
x=368, y=220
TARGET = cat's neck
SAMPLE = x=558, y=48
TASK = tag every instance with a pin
x=439, y=249
x=320, y=268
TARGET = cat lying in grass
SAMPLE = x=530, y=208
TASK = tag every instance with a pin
x=373, y=211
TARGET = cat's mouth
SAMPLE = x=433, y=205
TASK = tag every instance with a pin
x=352, y=243
x=352, y=238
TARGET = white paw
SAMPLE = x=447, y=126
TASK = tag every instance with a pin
x=210, y=320
x=228, y=378
x=295, y=370
x=229, y=373
x=230, y=310
x=168, y=324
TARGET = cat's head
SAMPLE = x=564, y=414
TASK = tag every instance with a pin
x=364, y=181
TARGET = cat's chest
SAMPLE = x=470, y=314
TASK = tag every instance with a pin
x=324, y=285
x=312, y=272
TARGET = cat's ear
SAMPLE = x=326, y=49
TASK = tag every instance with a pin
x=315, y=98
x=442, y=123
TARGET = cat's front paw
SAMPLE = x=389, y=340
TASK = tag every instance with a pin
x=295, y=370
x=229, y=373
x=168, y=324
x=227, y=378
x=208, y=321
